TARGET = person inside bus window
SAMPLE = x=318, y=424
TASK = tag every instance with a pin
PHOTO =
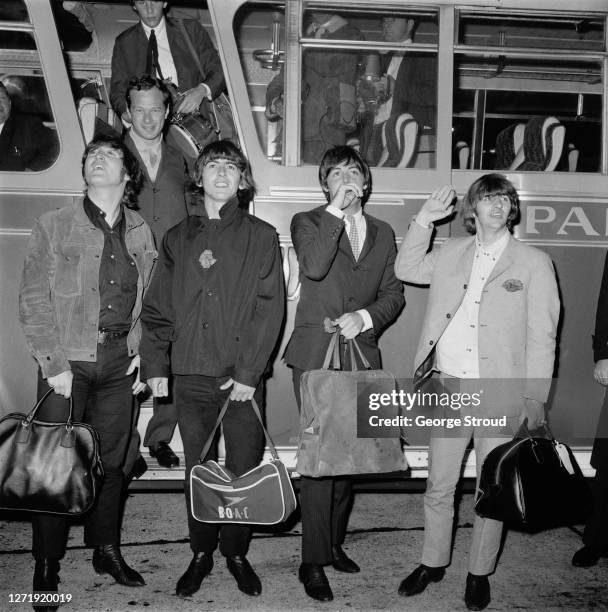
x=595, y=537
x=157, y=46
x=26, y=144
x=492, y=313
x=404, y=83
x=328, y=88
x=95, y=258
x=162, y=204
x=349, y=287
x=211, y=319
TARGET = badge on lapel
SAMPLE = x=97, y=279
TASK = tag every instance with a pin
x=513, y=284
x=206, y=259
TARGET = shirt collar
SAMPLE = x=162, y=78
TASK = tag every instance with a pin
x=496, y=248
x=96, y=215
x=159, y=30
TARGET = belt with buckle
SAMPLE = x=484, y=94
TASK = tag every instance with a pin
x=103, y=337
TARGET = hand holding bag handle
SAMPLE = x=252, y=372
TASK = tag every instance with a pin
x=67, y=440
x=273, y=451
x=333, y=354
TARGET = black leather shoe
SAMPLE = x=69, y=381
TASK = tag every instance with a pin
x=585, y=557
x=342, y=562
x=419, y=579
x=46, y=579
x=164, y=455
x=108, y=560
x=477, y=592
x=246, y=578
x=200, y=567
x=140, y=467
x=315, y=581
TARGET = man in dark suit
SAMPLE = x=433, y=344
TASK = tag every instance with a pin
x=25, y=143
x=595, y=538
x=162, y=204
x=157, y=45
x=409, y=86
x=346, y=260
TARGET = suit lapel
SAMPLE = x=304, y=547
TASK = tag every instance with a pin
x=504, y=261
x=370, y=237
x=142, y=165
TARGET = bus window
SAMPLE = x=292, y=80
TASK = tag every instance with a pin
x=528, y=92
x=368, y=79
x=28, y=140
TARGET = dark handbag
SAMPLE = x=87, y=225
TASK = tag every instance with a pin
x=328, y=444
x=262, y=496
x=533, y=483
x=48, y=467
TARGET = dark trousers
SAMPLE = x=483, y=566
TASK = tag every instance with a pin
x=102, y=397
x=596, y=530
x=162, y=424
x=325, y=505
x=199, y=400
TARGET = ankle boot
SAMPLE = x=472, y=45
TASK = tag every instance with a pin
x=46, y=579
x=108, y=560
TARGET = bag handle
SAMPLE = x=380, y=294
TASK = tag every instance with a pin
x=32, y=414
x=524, y=432
x=273, y=450
x=333, y=354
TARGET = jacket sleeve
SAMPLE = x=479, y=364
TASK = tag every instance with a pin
x=600, y=337
x=259, y=338
x=208, y=57
x=158, y=317
x=36, y=310
x=316, y=244
x=542, y=318
x=119, y=78
x=389, y=300
x=414, y=264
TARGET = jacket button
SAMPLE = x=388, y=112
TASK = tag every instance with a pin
x=155, y=218
x=205, y=325
x=431, y=342
x=465, y=286
x=449, y=316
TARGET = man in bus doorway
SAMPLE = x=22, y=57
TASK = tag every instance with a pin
x=346, y=260
x=157, y=45
x=492, y=314
x=86, y=269
x=162, y=204
x=216, y=307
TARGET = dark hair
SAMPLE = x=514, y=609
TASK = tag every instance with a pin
x=489, y=185
x=344, y=155
x=145, y=82
x=225, y=149
x=129, y=163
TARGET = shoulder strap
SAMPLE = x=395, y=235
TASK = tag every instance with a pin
x=197, y=61
x=273, y=450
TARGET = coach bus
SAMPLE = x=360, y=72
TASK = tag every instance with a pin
x=503, y=68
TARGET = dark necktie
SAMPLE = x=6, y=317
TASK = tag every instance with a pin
x=152, y=65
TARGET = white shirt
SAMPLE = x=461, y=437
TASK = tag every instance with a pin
x=165, y=59
x=384, y=110
x=145, y=148
x=361, y=224
x=457, y=349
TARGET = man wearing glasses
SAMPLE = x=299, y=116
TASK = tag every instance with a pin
x=491, y=318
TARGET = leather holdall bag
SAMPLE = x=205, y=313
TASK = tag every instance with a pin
x=262, y=496
x=53, y=468
x=328, y=444
x=534, y=483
